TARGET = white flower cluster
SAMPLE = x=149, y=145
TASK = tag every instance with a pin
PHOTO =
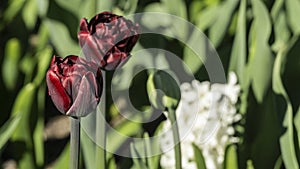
x=205, y=116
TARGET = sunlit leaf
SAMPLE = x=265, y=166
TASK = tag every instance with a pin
x=150, y=23
x=281, y=30
x=293, y=13
x=130, y=6
x=14, y=6
x=231, y=158
x=207, y=17
x=38, y=142
x=238, y=54
x=190, y=58
x=287, y=139
x=278, y=164
x=60, y=36
x=195, y=9
x=138, y=61
x=297, y=125
x=30, y=13
x=277, y=8
x=177, y=7
x=137, y=161
x=10, y=63
x=27, y=160
x=282, y=33
x=261, y=59
x=43, y=37
x=22, y=107
x=88, y=150
x=152, y=148
x=70, y=5
x=122, y=132
x=44, y=58
x=42, y=6
x=38, y=134
x=27, y=66
x=103, y=5
x=90, y=8
x=199, y=159
x=112, y=164
x=221, y=25
x=249, y=164
x=7, y=129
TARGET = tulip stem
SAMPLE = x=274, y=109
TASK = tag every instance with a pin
x=75, y=143
x=176, y=138
x=101, y=130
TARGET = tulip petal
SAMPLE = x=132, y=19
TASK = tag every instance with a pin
x=57, y=92
x=85, y=101
x=91, y=50
x=107, y=39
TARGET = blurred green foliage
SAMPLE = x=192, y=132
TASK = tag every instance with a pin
x=257, y=39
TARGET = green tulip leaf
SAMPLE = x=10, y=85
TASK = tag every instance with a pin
x=22, y=107
x=38, y=133
x=278, y=164
x=60, y=36
x=250, y=164
x=70, y=5
x=293, y=13
x=88, y=150
x=231, y=158
x=223, y=21
x=90, y=8
x=10, y=63
x=199, y=159
x=163, y=90
x=44, y=58
x=297, y=125
x=130, y=6
x=136, y=157
x=261, y=59
x=7, y=130
x=238, y=53
x=287, y=138
x=207, y=17
x=192, y=60
x=42, y=7
x=150, y=23
x=14, y=7
x=282, y=33
x=30, y=13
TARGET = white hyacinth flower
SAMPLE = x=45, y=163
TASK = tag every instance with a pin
x=205, y=116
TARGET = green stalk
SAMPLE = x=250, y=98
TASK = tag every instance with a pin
x=101, y=131
x=75, y=143
x=176, y=138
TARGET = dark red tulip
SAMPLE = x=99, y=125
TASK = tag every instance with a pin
x=74, y=85
x=107, y=39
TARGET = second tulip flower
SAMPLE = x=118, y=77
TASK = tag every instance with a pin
x=107, y=39
x=75, y=86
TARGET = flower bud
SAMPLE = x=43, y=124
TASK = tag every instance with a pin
x=163, y=90
x=75, y=86
x=107, y=39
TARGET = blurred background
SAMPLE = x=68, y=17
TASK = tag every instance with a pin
x=257, y=39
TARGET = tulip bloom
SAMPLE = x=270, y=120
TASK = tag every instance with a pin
x=74, y=85
x=107, y=39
